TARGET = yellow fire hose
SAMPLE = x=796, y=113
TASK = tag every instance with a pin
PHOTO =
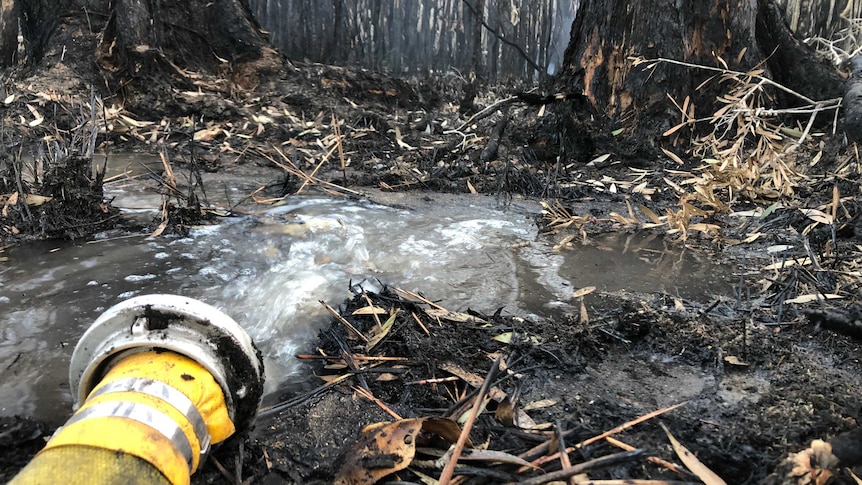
x=160, y=378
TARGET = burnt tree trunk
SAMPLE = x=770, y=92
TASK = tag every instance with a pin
x=8, y=32
x=140, y=44
x=608, y=34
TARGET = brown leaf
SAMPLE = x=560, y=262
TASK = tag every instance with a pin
x=382, y=449
x=675, y=129
x=691, y=462
x=451, y=316
x=444, y=428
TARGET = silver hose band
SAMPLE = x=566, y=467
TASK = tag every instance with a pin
x=144, y=414
x=170, y=395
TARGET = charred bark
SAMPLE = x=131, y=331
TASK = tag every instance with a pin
x=145, y=46
x=8, y=32
x=196, y=34
x=608, y=34
x=852, y=102
x=793, y=63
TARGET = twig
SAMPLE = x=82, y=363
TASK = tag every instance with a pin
x=227, y=476
x=449, y=469
x=344, y=321
x=367, y=395
x=314, y=172
x=355, y=357
x=583, y=467
x=293, y=169
x=424, y=328
x=337, y=131
x=641, y=482
x=296, y=401
x=652, y=459
x=374, y=314
x=410, y=294
x=538, y=450
x=439, y=380
x=561, y=447
x=487, y=112
x=765, y=80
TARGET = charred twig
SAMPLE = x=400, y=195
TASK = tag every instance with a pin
x=449, y=469
x=561, y=447
x=652, y=459
x=584, y=467
x=539, y=450
x=294, y=170
x=485, y=113
x=490, y=151
x=267, y=411
x=344, y=321
x=368, y=395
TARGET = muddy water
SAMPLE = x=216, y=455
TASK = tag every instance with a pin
x=270, y=270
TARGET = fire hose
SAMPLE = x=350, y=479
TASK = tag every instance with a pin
x=158, y=380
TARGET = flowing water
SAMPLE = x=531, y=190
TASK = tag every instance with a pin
x=270, y=272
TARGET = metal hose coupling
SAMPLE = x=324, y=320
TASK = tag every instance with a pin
x=161, y=377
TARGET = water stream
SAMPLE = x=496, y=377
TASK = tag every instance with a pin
x=270, y=272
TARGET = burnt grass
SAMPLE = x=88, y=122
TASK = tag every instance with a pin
x=759, y=377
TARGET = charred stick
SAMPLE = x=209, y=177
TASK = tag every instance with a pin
x=490, y=151
x=584, y=467
x=486, y=112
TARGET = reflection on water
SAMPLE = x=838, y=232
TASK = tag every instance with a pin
x=270, y=272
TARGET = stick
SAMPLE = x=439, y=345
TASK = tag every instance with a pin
x=561, y=447
x=485, y=112
x=763, y=79
x=449, y=469
x=583, y=467
x=420, y=298
x=543, y=448
x=344, y=321
x=652, y=459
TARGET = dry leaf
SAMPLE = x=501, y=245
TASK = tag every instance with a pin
x=691, y=462
x=652, y=216
x=673, y=156
x=385, y=448
x=505, y=337
x=813, y=297
x=817, y=216
x=382, y=449
x=370, y=310
x=735, y=361
x=444, y=314
x=380, y=333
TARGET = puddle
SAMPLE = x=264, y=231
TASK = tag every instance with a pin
x=270, y=272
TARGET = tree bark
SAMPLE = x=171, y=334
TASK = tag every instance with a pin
x=8, y=32
x=608, y=34
x=141, y=44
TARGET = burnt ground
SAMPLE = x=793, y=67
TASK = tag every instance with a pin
x=762, y=373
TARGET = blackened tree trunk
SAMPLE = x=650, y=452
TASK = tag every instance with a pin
x=8, y=32
x=631, y=100
x=140, y=44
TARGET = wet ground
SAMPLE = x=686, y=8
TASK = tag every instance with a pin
x=721, y=321
x=664, y=325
